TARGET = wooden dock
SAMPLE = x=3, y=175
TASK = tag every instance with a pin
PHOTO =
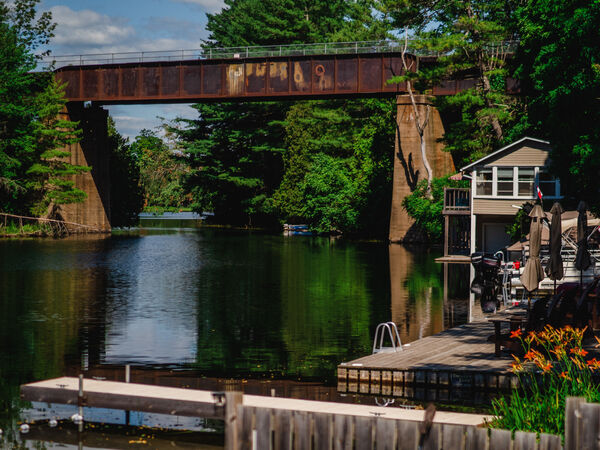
x=275, y=423
x=454, y=259
x=252, y=422
x=195, y=403
x=456, y=364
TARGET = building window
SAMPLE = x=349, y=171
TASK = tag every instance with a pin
x=484, y=182
x=547, y=184
x=526, y=181
x=505, y=182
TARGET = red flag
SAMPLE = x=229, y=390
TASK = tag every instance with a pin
x=539, y=193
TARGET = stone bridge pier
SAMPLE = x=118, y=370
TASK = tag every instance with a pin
x=92, y=151
x=408, y=163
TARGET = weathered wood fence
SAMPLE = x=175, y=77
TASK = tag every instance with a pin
x=279, y=429
x=275, y=423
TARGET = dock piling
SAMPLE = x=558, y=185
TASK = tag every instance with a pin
x=80, y=403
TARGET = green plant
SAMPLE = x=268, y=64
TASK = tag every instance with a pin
x=520, y=226
x=426, y=210
x=554, y=367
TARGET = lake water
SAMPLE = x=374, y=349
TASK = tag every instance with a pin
x=207, y=308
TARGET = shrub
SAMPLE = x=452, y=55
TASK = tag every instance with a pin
x=427, y=210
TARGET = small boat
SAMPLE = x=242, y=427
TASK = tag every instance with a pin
x=296, y=230
x=519, y=252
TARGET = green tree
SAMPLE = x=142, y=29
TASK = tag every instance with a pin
x=34, y=173
x=126, y=193
x=472, y=41
x=235, y=149
x=235, y=162
x=338, y=165
x=559, y=70
x=161, y=171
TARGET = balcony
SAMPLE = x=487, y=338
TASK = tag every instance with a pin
x=457, y=202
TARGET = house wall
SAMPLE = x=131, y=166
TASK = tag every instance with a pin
x=524, y=156
x=498, y=206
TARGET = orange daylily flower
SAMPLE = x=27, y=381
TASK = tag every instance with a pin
x=516, y=365
x=578, y=352
x=515, y=334
x=593, y=364
x=530, y=355
x=564, y=375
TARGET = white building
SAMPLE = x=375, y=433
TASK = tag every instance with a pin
x=500, y=183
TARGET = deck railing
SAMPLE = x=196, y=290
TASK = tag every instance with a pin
x=457, y=201
x=208, y=53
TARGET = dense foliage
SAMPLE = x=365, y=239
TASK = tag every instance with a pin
x=337, y=165
x=427, y=209
x=161, y=171
x=559, y=69
x=325, y=163
x=126, y=192
x=34, y=174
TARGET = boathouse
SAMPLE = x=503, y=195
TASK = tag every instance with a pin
x=503, y=181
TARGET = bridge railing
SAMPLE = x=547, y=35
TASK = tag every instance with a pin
x=326, y=48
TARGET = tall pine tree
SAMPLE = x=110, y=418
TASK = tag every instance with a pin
x=33, y=172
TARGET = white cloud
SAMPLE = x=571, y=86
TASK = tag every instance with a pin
x=86, y=28
x=88, y=32
x=209, y=5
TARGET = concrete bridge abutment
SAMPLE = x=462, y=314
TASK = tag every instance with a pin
x=409, y=168
x=92, y=151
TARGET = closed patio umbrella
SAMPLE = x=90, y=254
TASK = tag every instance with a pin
x=583, y=259
x=533, y=272
x=554, y=269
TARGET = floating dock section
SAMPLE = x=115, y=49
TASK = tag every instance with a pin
x=265, y=423
x=456, y=364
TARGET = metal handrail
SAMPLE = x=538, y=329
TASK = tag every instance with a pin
x=324, y=48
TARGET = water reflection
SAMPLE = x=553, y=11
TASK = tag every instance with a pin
x=215, y=303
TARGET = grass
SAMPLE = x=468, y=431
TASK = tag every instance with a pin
x=27, y=229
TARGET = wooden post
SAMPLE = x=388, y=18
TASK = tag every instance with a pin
x=572, y=422
x=80, y=402
x=446, y=231
x=232, y=400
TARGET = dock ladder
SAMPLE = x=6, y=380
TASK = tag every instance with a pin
x=392, y=333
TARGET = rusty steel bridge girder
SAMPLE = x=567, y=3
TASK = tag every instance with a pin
x=295, y=77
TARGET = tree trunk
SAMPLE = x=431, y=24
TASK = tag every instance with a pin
x=486, y=91
x=420, y=126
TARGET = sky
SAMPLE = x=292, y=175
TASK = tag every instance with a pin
x=111, y=26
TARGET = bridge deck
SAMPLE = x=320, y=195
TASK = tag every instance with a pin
x=292, y=77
